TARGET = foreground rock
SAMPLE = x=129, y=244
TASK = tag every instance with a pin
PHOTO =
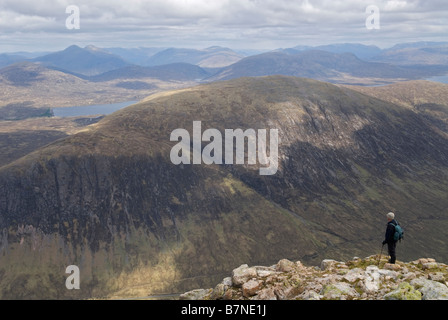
x=357, y=279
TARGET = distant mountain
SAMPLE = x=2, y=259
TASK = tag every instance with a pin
x=135, y=56
x=169, y=72
x=213, y=57
x=418, y=53
x=315, y=64
x=363, y=52
x=110, y=200
x=8, y=59
x=42, y=87
x=86, y=61
x=24, y=74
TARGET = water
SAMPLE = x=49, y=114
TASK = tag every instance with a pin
x=99, y=109
x=441, y=79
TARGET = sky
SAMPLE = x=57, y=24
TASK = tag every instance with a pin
x=38, y=25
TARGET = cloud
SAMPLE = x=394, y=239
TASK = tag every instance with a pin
x=234, y=22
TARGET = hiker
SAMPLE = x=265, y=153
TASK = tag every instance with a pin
x=389, y=238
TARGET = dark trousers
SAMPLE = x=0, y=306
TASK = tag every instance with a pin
x=391, y=249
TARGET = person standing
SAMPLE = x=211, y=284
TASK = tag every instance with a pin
x=389, y=237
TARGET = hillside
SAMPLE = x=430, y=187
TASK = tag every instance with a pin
x=86, y=61
x=317, y=64
x=110, y=200
x=32, y=85
x=212, y=57
x=168, y=72
x=418, y=53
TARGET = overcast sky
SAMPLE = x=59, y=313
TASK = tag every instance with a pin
x=239, y=24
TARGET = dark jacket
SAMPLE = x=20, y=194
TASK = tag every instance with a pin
x=390, y=231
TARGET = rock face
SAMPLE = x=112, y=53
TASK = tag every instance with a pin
x=357, y=279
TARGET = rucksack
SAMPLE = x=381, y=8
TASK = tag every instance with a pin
x=398, y=235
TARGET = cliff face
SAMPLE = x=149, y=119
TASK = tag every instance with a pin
x=371, y=278
x=110, y=201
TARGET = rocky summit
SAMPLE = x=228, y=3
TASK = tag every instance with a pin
x=371, y=278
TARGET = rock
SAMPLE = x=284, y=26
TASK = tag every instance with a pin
x=438, y=276
x=327, y=263
x=219, y=291
x=243, y=274
x=372, y=280
x=264, y=271
x=431, y=290
x=251, y=287
x=285, y=265
x=227, y=281
x=430, y=265
x=266, y=294
x=354, y=274
x=409, y=276
x=339, y=291
x=197, y=294
x=405, y=291
x=286, y=292
x=310, y=295
x=392, y=266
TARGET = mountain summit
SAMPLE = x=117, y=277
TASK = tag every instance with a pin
x=87, y=61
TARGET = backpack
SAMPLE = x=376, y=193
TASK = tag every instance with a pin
x=398, y=235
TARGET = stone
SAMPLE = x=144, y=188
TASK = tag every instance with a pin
x=372, y=280
x=392, y=266
x=339, y=291
x=430, y=265
x=266, y=294
x=251, y=287
x=264, y=271
x=285, y=265
x=219, y=291
x=354, y=274
x=409, y=276
x=227, y=281
x=438, y=276
x=310, y=295
x=327, y=263
x=405, y=291
x=431, y=290
x=243, y=274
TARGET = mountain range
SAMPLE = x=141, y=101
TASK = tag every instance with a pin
x=109, y=199
x=338, y=63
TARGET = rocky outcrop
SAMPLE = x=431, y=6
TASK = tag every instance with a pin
x=370, y=278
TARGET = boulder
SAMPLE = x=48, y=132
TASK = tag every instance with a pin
x=327, y=263
x=405, y=291
x=285, y=265
x=430, y=265
x=243, y=274
x=431, y=290
x=339, y=291
x=251, y=287
x=266, y=294
x=354, y=274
